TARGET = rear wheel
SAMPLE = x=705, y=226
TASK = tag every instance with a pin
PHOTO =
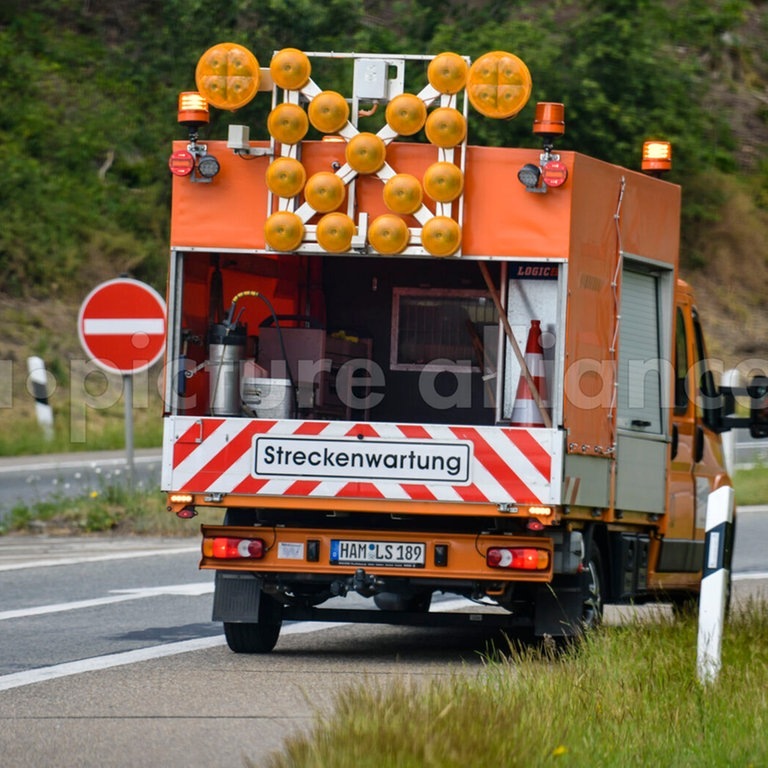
x=592, y=606
x=260, y=637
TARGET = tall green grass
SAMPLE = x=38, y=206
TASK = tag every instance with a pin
x=627, y=696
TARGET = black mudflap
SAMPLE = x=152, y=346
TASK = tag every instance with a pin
x=236, y=597
x=559, y=609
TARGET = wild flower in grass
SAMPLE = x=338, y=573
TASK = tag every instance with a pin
x=559, y=750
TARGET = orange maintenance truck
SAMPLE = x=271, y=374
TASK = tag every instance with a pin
x=403, y=365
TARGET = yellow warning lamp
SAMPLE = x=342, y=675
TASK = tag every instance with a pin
x=335, y=232
x=446, y=127
x=388, y=234
x=657, y=157
x=290, y=69
x=366, y=152
x=443, y=181
x=499, y=84
x=447, y=72
x=285, y=177
x=227, y=75
x=328, y=112
x=193, y=109
x=324, y=191
x=284, y=231
x=288, y=123
x=441, y=236
x=402, y=193
x=406, y=114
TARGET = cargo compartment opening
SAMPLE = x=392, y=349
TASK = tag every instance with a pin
x=354, y=338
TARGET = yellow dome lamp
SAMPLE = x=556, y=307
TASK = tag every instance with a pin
x=657, y=157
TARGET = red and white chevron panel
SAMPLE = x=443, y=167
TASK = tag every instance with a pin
x=330, y=459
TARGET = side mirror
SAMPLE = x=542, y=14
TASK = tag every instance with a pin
x=758, y=413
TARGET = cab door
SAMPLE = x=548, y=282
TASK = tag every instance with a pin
x=696, y=461
x=676, y=549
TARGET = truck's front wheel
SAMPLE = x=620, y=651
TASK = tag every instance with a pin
x=260, y=637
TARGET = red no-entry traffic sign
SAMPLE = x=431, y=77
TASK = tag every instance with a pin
x=122, y=325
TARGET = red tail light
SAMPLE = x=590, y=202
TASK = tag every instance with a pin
x=229, y=549
x=518, y=558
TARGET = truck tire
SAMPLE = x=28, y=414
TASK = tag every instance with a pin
x=260, y=637
x=594, y=589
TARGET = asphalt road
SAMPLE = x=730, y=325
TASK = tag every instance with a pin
x=108, y=657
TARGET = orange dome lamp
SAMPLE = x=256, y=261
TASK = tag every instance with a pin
x=388, y=234
x=447, y=72
x=290, y=69
x=288, y=123
x=324, y=191
x=402, y=193
x=335, y=232
x=366, y=153
x=441, y=236
x=446, y=127
x=328, y=112
x=443, y=181
x=284, y=231
x=285, y=177
x=406, y=114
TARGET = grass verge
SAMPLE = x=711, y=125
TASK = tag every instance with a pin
x=113, y=509
x=751, y=485
x=627, y=696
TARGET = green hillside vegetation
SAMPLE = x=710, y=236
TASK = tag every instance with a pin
x=89, y=111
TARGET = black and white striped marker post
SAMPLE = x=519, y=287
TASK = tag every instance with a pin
x=37, y=385
x=716, y=579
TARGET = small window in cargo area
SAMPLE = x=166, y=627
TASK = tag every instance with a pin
x=437, y=325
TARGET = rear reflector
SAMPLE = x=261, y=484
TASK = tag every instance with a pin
x=518, y=558
x=225, y=548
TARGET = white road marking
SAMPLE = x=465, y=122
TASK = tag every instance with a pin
x=749, y=575
x=118, y=596
x=96, y=558
x=98, y=663
x=42, y=466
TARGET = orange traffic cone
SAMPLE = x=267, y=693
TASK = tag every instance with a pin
x=525, y=412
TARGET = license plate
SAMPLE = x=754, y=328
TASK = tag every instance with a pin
x=379, y=553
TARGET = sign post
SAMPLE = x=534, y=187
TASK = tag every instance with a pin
x=122, y=326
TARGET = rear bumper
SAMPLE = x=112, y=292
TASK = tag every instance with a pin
x=447, y=558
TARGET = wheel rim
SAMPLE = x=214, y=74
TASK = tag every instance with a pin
x=593, y=601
